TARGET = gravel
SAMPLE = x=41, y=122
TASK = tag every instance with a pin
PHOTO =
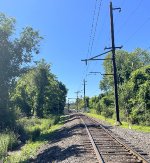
x=137, y=139
x=66, y=146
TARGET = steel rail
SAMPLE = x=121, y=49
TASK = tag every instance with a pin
x=132, y=151
x=98, y=155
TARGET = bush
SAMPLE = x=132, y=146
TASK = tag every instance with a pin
x=108, y=113
x=35, y=134
x=56, y=120
x=7, y=119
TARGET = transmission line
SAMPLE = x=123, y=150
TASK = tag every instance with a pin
x=92, y=26
x=95, y=29
x=140, y=27
x=92, y=33
x=129, y=17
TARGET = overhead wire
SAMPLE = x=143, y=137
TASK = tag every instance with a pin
x=92, y=26
x=92, y=34
x=138, y=29
x=131, y=14
x=94, y=31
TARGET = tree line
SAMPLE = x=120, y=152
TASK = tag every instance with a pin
x=133, y=70
x=25, y=90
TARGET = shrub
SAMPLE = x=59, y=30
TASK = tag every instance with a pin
x=108, y=112
x=35, y=134
x=7, y=119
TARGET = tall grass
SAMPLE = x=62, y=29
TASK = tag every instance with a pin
x=38, y=132
x=29, y=131
x=8, y=141
x=124, y=124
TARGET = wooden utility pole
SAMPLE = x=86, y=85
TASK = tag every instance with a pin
x=114, y=64
x=77, y=100
x=84, y=95
x=68, y=105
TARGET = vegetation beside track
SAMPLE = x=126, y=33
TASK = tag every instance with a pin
x=31, y=97
x=39, y=132
x=124, y=124
x=133, y=75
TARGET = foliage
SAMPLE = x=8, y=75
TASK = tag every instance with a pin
x=14, y=54
x=126, y=63
x=30, y=149
x=8, y=141
x=38, y=93
x=124, y=124
x=133, y=71
x=136, y=94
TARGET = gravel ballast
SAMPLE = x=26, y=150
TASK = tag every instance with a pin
x=67, y=145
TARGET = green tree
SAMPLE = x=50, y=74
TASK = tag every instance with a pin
x=15, y=53
x=39, y=93
x=135, y=96
x=126, y=63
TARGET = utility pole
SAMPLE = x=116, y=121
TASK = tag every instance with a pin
x=84, y=95
x=68, y=105
x=114, y=63
x=111, y=49
x=77, y=100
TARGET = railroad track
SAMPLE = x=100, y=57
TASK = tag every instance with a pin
x=107, y=147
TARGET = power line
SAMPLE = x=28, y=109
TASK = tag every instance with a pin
x=89, y=44
x=93, y=39
x=140, y=27
x=92, y=33
x=129, y=17
x=92, y=26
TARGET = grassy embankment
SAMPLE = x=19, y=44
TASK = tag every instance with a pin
x=124, y=124
x=37, y=132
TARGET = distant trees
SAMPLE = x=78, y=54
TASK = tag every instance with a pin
x=39, y=93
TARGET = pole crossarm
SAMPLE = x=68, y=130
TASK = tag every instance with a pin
x=100, y=73
x=95, y=72
x=94, y=58
x=117, y=47
x=101, y=59
x=107, y=74
x=116, y=8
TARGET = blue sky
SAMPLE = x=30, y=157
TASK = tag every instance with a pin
x=66, y=28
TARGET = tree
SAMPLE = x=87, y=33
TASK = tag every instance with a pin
x=39, y=93
x=41, y=83
x=62, y=96
x=126, y=63
x=14, y=54
x=135, y=96
x=133, y=82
